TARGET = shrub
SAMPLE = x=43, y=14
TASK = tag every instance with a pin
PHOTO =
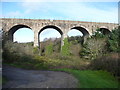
x=94, y=47
x=75, y=49
x=109, y=62
x=49, y=49
x=15, y=51
x=98, y=34
x=15, y=54
x=113, y=41
x=66, y=48
x=36, y=50
x=75, y=39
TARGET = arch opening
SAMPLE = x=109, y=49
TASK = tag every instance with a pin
x=82, y=30
x=75, y=35
x=75, y=32
x=83, y=34
x=105, y=31
x=21, y=33
x=50, y=35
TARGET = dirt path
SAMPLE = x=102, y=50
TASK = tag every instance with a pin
x=20, y=78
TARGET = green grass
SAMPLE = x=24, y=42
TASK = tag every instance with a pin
x=93, y=79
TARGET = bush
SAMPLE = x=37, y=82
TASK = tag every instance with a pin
x=66, y=48
x=76, y=39
x=49, y=49
x=98, y=34
x=75, y=49
x=113, y=41
x=94, y=47
x=36, y=50
x=109, y=62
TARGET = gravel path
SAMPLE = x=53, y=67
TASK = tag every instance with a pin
x=21, y=78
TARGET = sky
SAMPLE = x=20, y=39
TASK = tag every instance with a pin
x=74, y=10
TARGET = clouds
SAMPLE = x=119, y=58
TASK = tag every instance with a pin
x=36, y=7
x=82, y=11
x=14, y=14
x=30, y=7
x=72, y=10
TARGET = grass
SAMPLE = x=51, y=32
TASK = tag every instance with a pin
x=92, y=79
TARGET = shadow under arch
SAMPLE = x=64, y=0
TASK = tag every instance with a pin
x=105, y=31
x=14, y=29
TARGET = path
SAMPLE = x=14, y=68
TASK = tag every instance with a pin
x=21, y=78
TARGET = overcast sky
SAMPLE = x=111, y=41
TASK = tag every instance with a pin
x=82, y=11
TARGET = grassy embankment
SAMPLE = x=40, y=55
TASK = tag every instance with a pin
x=93, y=79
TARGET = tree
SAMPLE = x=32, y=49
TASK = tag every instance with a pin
x=114, y=41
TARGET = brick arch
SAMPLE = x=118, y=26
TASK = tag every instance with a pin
x=51, y=26
x=83, y=29
x=104, y=30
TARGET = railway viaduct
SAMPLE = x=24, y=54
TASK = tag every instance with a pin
x=10, y=25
